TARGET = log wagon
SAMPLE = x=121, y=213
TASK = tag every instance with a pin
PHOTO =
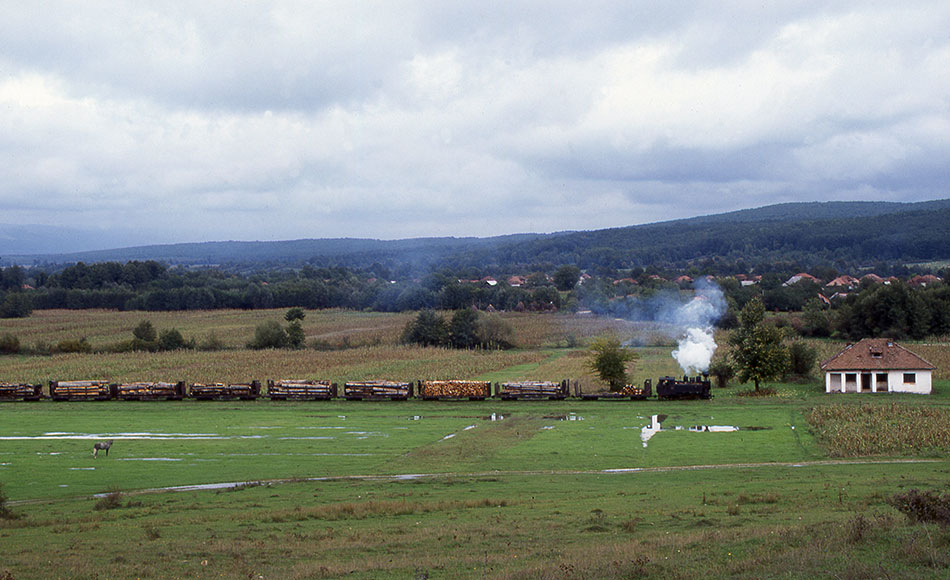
x=301, y=390
x=20, y=392
x=150, y=391
x=533, y=390
x=92, y=390
x=632, y=392
x=224, y=391
x=377, y=391
x=454, y=390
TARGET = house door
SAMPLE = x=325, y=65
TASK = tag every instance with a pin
x=865, y=382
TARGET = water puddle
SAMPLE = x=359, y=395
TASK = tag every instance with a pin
x=656, y=425
x=568, y=417
x=60, y=436
x=148, y=459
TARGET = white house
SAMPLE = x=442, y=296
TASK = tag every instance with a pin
x=877, y=365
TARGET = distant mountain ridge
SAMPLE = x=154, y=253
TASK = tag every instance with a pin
x=809, y=231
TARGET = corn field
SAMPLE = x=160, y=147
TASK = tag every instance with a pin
x=881, y=429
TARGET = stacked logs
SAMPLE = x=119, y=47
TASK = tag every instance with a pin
x=379, y=390
x=300, y=390
x=95, y=390
x=534, y=390
x=11, y=391
x=243, y=391
x=146, y=391
x=455, y=389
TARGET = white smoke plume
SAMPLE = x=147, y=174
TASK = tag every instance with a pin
x=697, y=346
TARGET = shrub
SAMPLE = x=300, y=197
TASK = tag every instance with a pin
x=73, y=345
x=109, y=501
x=269, y=334
x=923, y=507
x=9, y=344
x=5, y=512
x=171, y=340
x=211, y=343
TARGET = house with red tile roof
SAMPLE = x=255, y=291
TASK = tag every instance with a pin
x=877, y=365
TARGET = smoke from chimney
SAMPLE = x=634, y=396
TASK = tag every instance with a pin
x=697, y=345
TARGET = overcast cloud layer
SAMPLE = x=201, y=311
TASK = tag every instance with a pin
x=190, y=121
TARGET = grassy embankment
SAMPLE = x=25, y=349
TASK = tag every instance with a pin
x=529, y=496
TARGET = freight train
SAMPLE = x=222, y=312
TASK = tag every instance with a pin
x=667, y=388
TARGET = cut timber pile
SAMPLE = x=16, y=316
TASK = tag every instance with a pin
x=80, y=390
x=533, y=390
x=377, y=390
x=24, y=392
x=244, y=391
x=454, y=389
x=145, y=391
x=300, y=390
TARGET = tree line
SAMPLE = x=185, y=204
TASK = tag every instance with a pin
x=896, y=310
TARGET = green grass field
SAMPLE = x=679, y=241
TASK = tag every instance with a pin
x=416, y=489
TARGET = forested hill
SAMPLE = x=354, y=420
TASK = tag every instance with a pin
x=811, y=234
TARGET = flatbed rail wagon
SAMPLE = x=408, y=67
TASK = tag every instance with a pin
x=632, y=392
x=91, y=390
x=20, y=392
x=533, y=390
x=301, y=390
x=454, y=390
x=150, y=391
x=224, y=391
x=377, y=391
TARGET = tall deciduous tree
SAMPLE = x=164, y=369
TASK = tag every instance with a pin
x=609, y=360
x=758, y=351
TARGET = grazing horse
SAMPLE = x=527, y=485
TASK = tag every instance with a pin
x=101, y=445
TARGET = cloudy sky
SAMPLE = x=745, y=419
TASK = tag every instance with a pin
x=214, y=120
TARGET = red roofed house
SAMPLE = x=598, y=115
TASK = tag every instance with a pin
x=846, y=281
x=877, y=365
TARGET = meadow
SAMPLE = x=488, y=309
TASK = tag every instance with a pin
x=735, y=487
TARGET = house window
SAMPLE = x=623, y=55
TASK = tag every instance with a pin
x=910, y=378
x=882, y=382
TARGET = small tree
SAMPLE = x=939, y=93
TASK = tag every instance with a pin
x=495, y=333
x=609, y=360
x=801, y=359
x=428, y=329
x=463, y=329
x=723, y=371
x=295, y=314
x=566, y=277
x=16, y=305
x=295, y=334
x=758, y=352
x=145, y=332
